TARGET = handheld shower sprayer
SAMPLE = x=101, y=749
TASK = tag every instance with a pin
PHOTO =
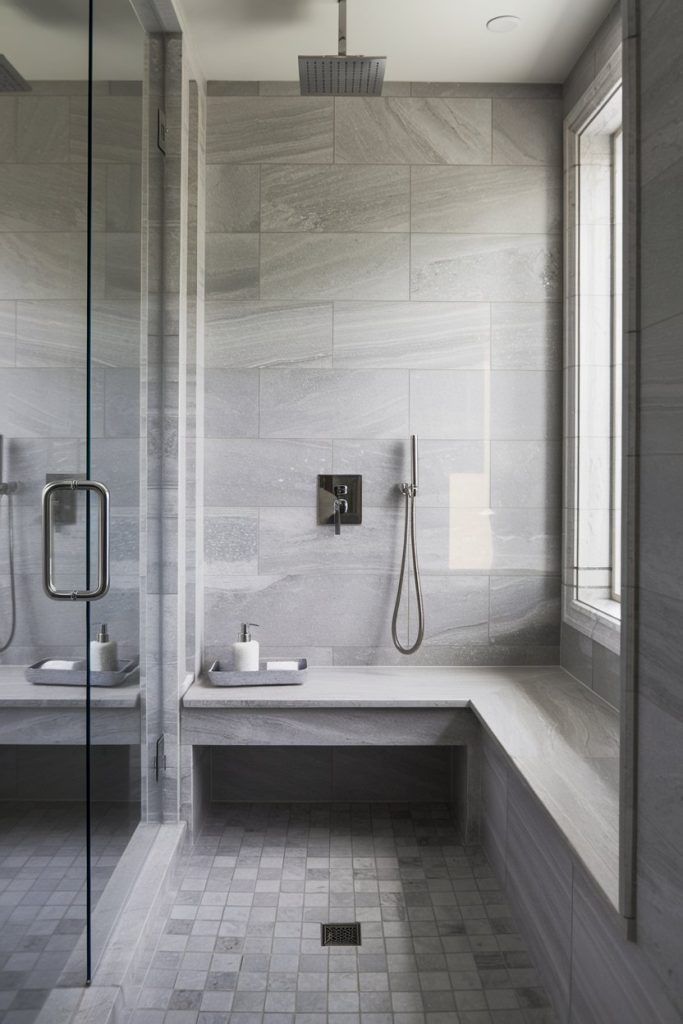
x=409, y=491
x=7, y=489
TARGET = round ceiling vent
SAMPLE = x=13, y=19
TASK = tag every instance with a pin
x=503, y=23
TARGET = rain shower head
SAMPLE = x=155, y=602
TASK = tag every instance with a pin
x=10, y=79
x=340, y=75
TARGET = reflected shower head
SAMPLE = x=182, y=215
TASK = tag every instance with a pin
x=10, y=79
x=341, y=75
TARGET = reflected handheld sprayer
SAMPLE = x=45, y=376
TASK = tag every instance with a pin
x=6, y=491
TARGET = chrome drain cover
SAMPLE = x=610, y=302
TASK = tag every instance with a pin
x=340, y=934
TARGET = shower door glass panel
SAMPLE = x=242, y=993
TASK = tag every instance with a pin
x=116, y=333
x=43, y=423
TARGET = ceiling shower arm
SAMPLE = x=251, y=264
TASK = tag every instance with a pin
x=342, y=28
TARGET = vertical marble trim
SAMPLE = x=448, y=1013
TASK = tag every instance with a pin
x=630, y=496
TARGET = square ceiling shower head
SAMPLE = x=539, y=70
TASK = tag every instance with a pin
x=341, y=76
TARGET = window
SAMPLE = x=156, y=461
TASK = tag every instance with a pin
x=593, y=364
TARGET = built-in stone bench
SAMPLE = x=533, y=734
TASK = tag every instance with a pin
x=33, y=715
x=560, y=738
x=536, y=764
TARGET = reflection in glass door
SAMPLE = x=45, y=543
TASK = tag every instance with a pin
x=43, y=422
x=70, y=334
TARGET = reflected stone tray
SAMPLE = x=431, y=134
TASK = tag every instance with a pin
x=287, y=673
x=56, y=672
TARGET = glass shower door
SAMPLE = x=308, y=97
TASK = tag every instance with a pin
x=71, y=328
x=116, y=451
x=44, y=407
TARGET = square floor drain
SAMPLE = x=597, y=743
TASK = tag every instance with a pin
x=340, y=934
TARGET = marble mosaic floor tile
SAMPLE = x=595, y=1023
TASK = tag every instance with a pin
x=42, y=893
x=242, y=941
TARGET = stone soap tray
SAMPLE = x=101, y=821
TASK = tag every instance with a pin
x=53, y=672
x=287, y=673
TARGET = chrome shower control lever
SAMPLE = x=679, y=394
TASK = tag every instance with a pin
x=339, y=501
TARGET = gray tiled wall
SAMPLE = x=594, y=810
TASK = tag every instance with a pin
x=43, y=175
x=657, y=459
x=592, y=972
x=375, y=268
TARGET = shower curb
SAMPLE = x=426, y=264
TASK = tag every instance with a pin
x=132, y=936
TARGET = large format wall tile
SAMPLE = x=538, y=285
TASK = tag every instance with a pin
x=8, y=319
x=335, y=198
x=450, y=404
x=527, y=131
x=43, y=402
x=445, y=654
x=40, y=197
x=27, y=460
x=42, y=129
x=383, y=464
x=661, y=388
x=525, y=200
x=660, y=840
x=455, y=474
x=8, y=129
x=494, y=806
x=658, y=655
x=661, y=549
x=525, y=406
x=42, y=266
x=610, y=981
x=230, y=542
x=525, y=609
x=526, y=336
x=446, y=470
x=269, y=129
x=117, y=129
x=291, y=541
x=334, y=403
x=317, y=609
x=526, y=474
x=232, y=398
x=488, y=268
x=539, y=886
x=335, y=266
x=424, y=335
x=478, y=540
x=232, y=197
x=264, y=472
x=413, y=131
x=232, y=266
x=456, y=609
x=261, y=334
x=122, y=403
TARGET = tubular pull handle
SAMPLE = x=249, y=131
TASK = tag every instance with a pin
x=92, y=486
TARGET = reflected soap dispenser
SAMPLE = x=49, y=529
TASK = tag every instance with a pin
x=245, y=652
x=103, y=653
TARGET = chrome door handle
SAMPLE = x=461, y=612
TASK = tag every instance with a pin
x=103, y=540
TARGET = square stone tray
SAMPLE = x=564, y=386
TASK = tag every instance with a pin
x=293, y=675
x=73, y=673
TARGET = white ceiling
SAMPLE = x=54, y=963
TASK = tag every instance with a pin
x=48, y=39
x=424, y=40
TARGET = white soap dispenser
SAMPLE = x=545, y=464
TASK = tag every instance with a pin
x=245, y=652
x=103, y=653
